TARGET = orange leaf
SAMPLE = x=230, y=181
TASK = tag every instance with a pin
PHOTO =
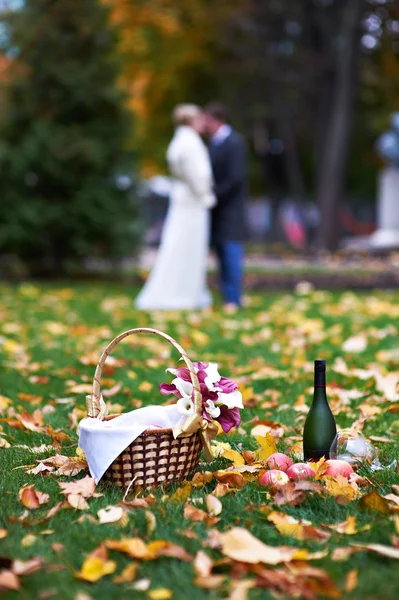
x=232, y=478
x=128, y=574
x=31, y=498
x=201, y=479
x=351, y=580
x=194, y=513
x=134, y=547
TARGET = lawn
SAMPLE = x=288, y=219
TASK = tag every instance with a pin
x=50, y=339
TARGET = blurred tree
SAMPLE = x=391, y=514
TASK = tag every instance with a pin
x=63, y=141
x=168, y=48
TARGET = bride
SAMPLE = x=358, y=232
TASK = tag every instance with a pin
x=178, y=278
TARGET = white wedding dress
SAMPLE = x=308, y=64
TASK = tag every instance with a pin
x=178, y=278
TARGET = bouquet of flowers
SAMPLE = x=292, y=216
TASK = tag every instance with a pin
x=221, y=399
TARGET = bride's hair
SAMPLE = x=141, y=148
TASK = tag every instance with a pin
x=184, y=114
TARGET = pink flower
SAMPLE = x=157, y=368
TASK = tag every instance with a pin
x=229, y=417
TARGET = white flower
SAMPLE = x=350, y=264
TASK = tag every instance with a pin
x=185, y=406
x=184, y=387
x=233, y=400
x=211, y=409
x=212, y=377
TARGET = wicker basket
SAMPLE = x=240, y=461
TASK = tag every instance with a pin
x=155, y=457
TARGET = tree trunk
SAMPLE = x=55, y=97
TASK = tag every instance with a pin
x=336, y=144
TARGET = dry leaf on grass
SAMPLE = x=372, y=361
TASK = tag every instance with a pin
x=83, y=487
x=392, y=498
x=222, y=489
x=301, y=530
x=241, y=588
x=128, y=574
x=375, y=502
x=202, y=478
x=240, y=545
x=351, y=580
x=342, y=553
x=267, y=445
x=348, y=527
x=110, y=514
x=212, y=582
x=194, y=513
x=213, y=505
x=77, y=501
x=289, y=494
x=32, y=498
x=343, y=491
x=202, y=564
x=160, y=594
x=231, y=477
x=388, y=551
x=26, y=567
x=8, y=580
x=96, y=567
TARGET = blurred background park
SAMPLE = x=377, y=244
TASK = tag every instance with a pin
x=87, y=91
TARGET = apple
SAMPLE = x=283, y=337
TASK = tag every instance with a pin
x=300, y=471
x=279, y=461
x=274, y=478
x=338, y=467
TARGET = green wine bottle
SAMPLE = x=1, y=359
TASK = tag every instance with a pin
x=320, y=428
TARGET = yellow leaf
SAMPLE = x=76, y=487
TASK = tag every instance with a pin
x=200, y=338
x=267, y=445
x=182, y=493
x=134, y=547
x=239, y=544
x=351, y=580
x=145, y=386
x=3, y=533
x=160, y=594
x=247, y=393
x=341, y=489
x=301, y=530
x=4, y=402
x=234, y=456
x=28, y=540
x=94, y=568
x=128, y=574
x=375, y=502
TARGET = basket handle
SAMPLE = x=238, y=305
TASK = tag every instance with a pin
x=95, y=404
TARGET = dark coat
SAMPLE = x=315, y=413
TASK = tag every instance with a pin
x=230, y=175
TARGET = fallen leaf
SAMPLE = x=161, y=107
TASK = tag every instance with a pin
x=160, y=594
x=28, y=540
x=95, y=568
x=230, y=477
x=77, y=501
x=32, y=498
x=341, y=489
x=26, y=567
x=9, y=580
x=194, y=513
x=128, y=574
x=267, y=445
x=388, y=551
x=3, y=533
x=234, y=456
x=213, y=505
x=351, y=580
x=340, y=554
x=375, y=502
x=212, y=582
x=301, y=530
x=142, y=585
x=239, y=544
x=392, y=498
x=222, y=489
x=289, y=494
x=110, y=514
x=181, y=494
x=348, y=527
x=241, y=588
x=201, y=479
x=164, y=548
x=356, y=343
x=202, y=564
x=84, y=487
x=151, y=521
x=134, y=547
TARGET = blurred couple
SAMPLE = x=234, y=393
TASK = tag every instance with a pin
x=206, y=202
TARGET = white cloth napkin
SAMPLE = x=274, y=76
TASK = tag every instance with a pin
x=103, y=441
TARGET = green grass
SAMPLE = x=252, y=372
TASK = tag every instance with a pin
x=45, y=330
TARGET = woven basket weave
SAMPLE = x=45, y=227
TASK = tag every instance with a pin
x=155, y=457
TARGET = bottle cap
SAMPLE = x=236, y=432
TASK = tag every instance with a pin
x=319, y=364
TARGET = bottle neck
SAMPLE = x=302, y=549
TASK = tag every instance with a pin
x=320, y=383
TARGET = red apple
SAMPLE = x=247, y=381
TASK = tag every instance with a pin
x=300, y=471
x=338, y=467
x=279, y=461
x=274, y=478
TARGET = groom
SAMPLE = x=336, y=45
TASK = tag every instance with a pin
x=228, y=157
